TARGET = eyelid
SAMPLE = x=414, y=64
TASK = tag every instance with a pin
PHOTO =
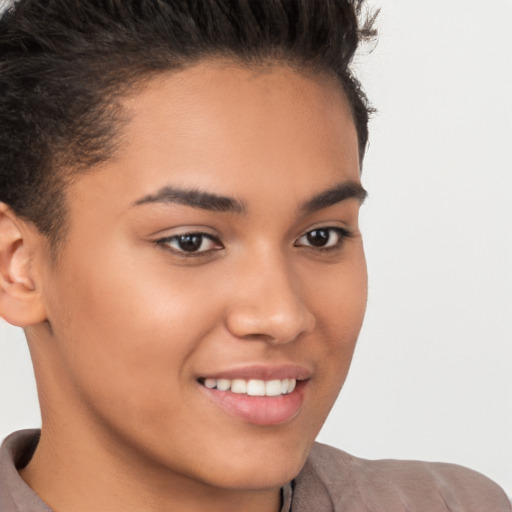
x=165, y=242
x=342, y=232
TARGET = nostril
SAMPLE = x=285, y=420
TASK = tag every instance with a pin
x=257, y=337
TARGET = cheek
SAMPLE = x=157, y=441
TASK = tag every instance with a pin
x=126, y=332
x=340, y=297
x=340, y=310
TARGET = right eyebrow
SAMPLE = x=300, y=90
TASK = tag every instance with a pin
x=340, y=192
x=194, y=198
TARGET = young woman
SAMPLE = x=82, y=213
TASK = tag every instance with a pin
x=180, y=187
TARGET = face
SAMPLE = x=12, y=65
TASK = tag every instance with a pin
x=212, y=285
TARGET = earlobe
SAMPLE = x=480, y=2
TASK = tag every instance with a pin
x=20, y=293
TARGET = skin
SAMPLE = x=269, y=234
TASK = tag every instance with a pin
x=127, y=325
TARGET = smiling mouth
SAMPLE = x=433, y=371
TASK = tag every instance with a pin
x=264, y=402
x=252, y=387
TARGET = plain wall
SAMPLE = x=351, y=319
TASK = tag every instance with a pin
x=432, y=374
x=431, y=378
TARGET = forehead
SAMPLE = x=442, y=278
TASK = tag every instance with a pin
x=228, y=128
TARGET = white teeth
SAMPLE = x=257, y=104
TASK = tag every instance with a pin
x=253, y=387
x=239, y=386
x=223, y=384
x=273, y=387
x=210, y=383
x=256, y=387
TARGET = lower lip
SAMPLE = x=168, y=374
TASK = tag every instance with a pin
x=260, y=410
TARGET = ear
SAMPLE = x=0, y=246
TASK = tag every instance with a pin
x=20, y=286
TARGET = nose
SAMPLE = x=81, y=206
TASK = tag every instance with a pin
x=268, y=305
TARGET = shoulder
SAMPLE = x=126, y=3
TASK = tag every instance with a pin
x=345, y=482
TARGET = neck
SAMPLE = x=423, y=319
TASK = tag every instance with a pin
x=73, y=475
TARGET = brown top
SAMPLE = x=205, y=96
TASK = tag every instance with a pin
x=15, y=494
x=331, y=481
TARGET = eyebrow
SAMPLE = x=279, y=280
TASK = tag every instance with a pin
x=195, y=199
x=213, y=202
x=336, y=194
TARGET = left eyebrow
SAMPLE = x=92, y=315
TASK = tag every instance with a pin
x=336, y=194
x=195, y=199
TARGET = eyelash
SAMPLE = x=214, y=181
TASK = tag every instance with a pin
x=342, y=234
x=166, y=242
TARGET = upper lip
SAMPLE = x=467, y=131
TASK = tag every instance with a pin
x=262, y=372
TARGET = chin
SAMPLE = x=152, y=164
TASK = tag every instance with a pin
x=261, y=465
x=256, y=478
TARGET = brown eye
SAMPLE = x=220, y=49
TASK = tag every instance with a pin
x=191, y=243
x=323, y=238
x=318, y=237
